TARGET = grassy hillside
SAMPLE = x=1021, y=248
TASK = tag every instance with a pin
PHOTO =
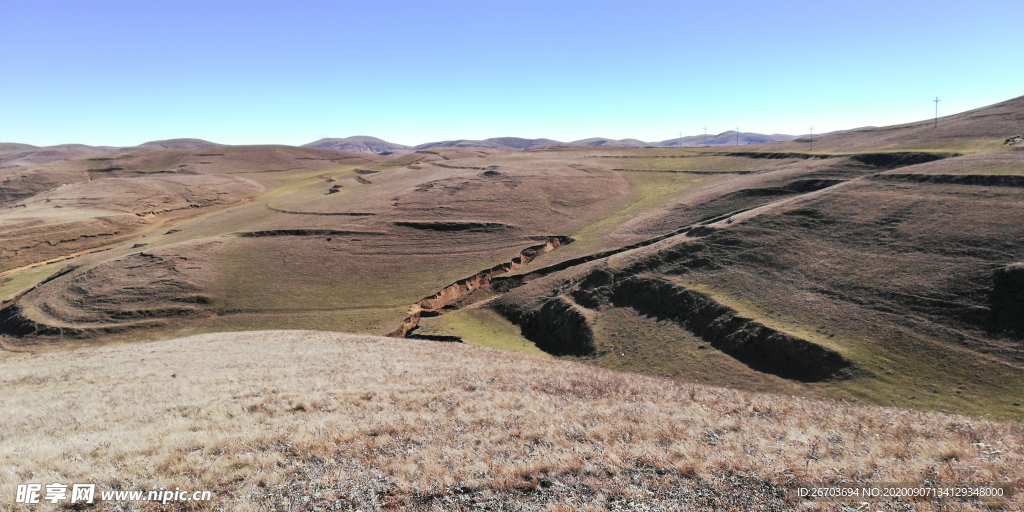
x=968, y=132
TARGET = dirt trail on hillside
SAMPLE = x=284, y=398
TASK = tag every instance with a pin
x=60, y=258
x=762, y=337
x=774, y=205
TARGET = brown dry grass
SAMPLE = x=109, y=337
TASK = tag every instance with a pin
x=976, y=130
x=282, y=419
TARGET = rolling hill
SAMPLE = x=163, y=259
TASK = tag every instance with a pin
x=496, y=143
x=178, y=144
x=359, y=144
x=971, y=131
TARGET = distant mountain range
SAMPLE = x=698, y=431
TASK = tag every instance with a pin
x=366, y=144
x=360, y=144
x=13, y=155
x=178, y=144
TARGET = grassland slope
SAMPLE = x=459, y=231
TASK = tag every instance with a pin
x=302, y=420
x=979, y=129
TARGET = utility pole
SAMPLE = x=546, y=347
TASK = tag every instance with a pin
x=812, y=138
x=936, y=100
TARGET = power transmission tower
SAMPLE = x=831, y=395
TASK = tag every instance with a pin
x=936, y=100
x=705, y=136
x=737, y=135
x=812, y=138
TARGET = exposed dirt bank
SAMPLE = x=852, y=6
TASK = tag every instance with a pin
x=1007, y=300
x=343, y=214
x=891, y=160
x=686, y=171
x=758, y=346
x=455, y=226
x=777, y=156
x=432, y=305
x=435, y=337
x=899, y=159
x=557, y=326
x=306, y=232
x=504, y=284
x=988, y=180
x=12, y=318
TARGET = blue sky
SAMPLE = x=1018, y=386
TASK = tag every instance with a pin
x=123, y=73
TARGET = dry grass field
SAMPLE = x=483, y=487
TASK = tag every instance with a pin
x=301, y=420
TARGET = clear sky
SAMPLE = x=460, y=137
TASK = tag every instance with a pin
x=290, y=72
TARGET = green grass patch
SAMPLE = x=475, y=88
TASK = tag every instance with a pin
x=294, y=274
x=919, y=374
x=957, y=146
x=702, y=163
x=649, y=190
x=376, y=321
x=483, y=327
x=12, y=284
x=628, y=341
